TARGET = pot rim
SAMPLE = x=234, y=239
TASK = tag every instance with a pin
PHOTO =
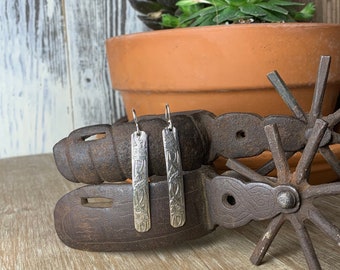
x=218, y=57
x=165, y=32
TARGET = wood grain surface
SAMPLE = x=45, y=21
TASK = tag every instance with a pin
x=53, y=69
x=30, y=187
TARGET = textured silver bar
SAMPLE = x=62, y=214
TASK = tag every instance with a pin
x=140, y=187
x=174, y=177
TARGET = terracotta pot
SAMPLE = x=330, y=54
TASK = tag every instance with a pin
x=223, y=68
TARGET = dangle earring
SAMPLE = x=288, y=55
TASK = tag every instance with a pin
x=174, y=172
x=140, y=187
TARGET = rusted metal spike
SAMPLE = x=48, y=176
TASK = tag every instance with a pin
x=322, y=190
x=246, y=172
x=286, y=95
x=270, y=165
x=333, y=119
x=324, y=225
x=267, y=239
x=279, y=157
x=320, y=87
x=335, y=138
x=305, y=243
x=303, y=167
x=331, y=158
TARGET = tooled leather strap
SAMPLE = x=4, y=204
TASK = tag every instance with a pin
x=100, y=217
x=202, y=138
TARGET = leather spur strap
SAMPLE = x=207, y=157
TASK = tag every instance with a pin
x=202, y=138
x=100, y=217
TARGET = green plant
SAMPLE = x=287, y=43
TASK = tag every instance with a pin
x=158, y=14
x=210, y=12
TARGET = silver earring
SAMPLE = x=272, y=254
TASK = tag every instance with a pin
x=174, y=172
x=140, y=186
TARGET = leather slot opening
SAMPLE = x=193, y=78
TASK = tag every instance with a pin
x=94, y=137
x=97, y=202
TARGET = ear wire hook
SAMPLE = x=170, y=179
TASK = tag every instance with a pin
x=167, y=116
x=136, y=121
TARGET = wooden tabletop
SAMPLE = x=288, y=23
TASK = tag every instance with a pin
x=30, y=187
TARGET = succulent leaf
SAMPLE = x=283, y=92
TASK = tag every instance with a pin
x=283, y=3
x=228, y=14
x=270, y=7
x=253, y=10
x=185, y=13
x=306, y=14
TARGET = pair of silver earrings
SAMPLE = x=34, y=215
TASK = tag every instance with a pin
x=140, y=186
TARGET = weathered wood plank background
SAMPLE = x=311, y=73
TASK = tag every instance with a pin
x=53, y=70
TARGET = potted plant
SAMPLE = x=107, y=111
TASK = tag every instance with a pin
x=160, y=14
x=222, y=68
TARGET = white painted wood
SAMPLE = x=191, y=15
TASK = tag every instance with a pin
x=53, y=69
x=34, y=89
x=89, y=23
x=330, y=10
